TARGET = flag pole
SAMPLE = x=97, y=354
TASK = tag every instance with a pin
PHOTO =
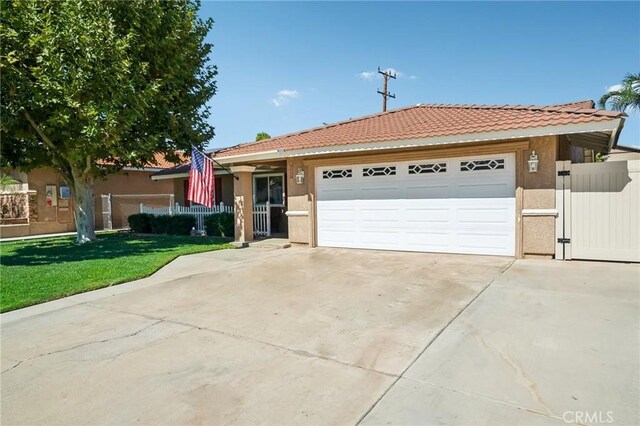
x=204, y=154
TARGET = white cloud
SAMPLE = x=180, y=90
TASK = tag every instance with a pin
x=614, y=88
x=373, y=75
x=367, y=75
x=288, y=93
x=284, y=96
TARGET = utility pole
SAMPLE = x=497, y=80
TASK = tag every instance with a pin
x=385, y=93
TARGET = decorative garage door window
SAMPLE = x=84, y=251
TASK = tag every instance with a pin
x=421, y=169
x=337, y=174
x=475, y=165
x=379, y=171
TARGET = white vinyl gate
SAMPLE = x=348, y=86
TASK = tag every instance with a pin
x=449, y=205
x=262, y=220
x=598, y=205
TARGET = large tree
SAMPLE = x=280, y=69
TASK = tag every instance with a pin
x=624, y=96
x=89, y=87
x=262, y=136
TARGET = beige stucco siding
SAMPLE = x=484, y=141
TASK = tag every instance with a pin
x=538, y=232
x=298, y=202
x=60, y=218
x=129, y=183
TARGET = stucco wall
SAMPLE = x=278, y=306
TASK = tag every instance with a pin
x=298, y=202
x=38, y=179
x=43, y=218
x=53, y=219
x=538, y=192
x=130, y=183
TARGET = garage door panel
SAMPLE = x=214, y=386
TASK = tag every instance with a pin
x=337, y=194
x=439, y=190
x=484, y=189
x=485, y=215
x=381, y=216
x=429, y=240
x=379, y=192
x=386, y=237
x=419, y=209
x=428, y=215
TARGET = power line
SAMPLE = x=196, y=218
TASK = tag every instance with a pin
x=386, y=75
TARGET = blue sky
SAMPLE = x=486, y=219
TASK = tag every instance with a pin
x=288, y=66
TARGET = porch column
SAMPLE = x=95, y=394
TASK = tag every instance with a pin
x=243, y=202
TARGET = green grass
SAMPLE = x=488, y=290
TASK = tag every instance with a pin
x=35, y=271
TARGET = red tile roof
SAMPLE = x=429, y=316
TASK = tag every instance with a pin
x=159, y=161
x=162, y=163
x=429, y=120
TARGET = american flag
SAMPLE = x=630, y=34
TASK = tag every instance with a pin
x=201, y=179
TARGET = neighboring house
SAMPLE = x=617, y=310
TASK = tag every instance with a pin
x=179, y=175
x=46, y=204
x=623, y=153
x=432, y=178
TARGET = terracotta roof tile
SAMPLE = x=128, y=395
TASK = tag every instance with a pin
x=162, y=163
x=428, y=120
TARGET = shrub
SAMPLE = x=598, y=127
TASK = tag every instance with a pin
x=220, y=225
x=181, y=224
x=160, y=224
x=140, y=223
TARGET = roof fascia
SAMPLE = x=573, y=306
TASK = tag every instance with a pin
x=601, y=126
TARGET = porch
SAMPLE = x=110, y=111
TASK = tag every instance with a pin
x=261, y=190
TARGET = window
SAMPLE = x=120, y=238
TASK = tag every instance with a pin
x=269, y=188
x=421, y=169
x=379, y=171
x=337, y=174
x=475, y=165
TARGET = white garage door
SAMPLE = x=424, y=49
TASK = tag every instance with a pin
x=453, y=205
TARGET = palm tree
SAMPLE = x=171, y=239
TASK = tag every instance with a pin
x=6, y=180
x=625, y=96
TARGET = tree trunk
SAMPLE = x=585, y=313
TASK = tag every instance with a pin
x=84, y=206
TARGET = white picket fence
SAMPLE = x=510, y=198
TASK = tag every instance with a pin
x=262, y=220
x=200, y=212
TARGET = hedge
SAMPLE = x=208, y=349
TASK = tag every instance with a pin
x=160, y=224
x=180, y=224
x=220, y=225
x=140, y=223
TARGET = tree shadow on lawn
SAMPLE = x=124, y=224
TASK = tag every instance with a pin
x=58, y=250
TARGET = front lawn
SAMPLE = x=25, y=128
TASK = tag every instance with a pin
x=35, y=271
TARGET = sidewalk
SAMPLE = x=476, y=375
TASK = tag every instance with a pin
x=61, y=234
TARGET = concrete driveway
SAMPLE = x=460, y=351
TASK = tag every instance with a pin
x=328, y=336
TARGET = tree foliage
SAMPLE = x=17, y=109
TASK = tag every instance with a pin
x=89, y=87
x=262, y=135
x=625, y=97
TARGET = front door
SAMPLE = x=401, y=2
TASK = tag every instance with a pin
x=271, y=188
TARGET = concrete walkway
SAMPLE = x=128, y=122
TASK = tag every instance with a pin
x=324, y=336
x=59, y=234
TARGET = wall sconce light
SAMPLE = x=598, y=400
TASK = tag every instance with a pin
x=533, y=162
x=300, y=176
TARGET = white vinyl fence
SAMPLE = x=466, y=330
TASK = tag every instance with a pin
x=198, y=211
x=598, y=211
x=262, y=220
